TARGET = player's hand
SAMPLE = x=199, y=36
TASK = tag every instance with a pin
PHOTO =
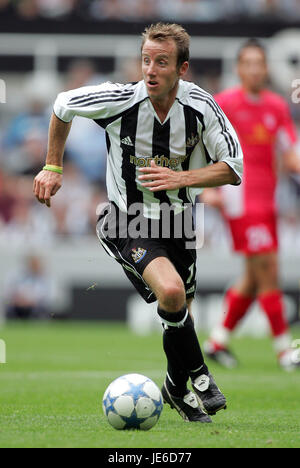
x=212, y=197
x=45, y=185
x=158, y=178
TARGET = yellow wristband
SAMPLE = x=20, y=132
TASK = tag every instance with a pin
x=51, y=168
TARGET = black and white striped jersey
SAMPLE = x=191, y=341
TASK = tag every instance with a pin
x=194, y=134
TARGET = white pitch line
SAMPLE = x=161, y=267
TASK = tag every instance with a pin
x=77, y=374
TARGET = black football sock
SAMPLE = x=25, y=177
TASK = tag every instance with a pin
x=177, y=376
x=176, y=380
x=182, y=349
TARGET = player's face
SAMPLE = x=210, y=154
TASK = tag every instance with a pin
x=252, y=69
x=160, y=71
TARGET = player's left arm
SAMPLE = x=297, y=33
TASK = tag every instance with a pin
x=291, y=160
x=158, y=178
x=287, y=139
x=223, y=147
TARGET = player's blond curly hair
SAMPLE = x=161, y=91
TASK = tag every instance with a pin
x=164, y=31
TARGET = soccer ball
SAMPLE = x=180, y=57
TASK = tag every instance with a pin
x=132, y=401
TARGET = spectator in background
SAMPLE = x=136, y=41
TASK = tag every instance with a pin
x=27, y=9
x=289, y=9
x=8, y=198
x=86, y=145
x=6, y=9
x=105, y=9
x=244, y=8
x=130, y=70
x=191, y=10
x=25, y=141
x=123, y=10
x=56, y=9
x=137, y=10
x=270, y=9
x=82, y=72
x=28, y=291
x=28, y=157
x=72, y=204
x=52, y=9
x=22, y=223
x=34, y=118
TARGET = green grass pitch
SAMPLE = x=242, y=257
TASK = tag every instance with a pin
x=52, y=385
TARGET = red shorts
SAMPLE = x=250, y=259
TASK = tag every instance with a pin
x=254, y=234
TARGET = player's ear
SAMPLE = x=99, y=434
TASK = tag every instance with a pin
x=183, y=68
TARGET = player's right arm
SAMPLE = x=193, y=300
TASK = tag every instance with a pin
x=47, y=183
x=93, y=102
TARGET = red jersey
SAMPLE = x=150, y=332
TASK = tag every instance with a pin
x=263, y=125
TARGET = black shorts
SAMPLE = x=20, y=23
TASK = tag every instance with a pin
x=135, y=253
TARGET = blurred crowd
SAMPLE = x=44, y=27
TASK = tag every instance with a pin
x=135, y=10
x=23, y=147
x=28, y=290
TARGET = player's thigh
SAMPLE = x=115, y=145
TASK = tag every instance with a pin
x=247, y=283
x=162, y=277
x=265, y=269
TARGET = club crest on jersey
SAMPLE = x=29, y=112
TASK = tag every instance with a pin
x=138, y=254
x=192, y=141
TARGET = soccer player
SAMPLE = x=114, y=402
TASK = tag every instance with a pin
x=162, y=134
x=264, y=127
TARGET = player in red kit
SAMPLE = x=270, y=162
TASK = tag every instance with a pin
x=262, y=121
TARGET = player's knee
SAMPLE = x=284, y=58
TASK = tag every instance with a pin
x=267, y=271
x=268, y=264
x=172, y=296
